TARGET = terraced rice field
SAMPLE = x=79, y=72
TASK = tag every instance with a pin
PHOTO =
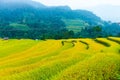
x=71, y=59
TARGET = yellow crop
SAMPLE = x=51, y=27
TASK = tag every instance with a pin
x=68, y=59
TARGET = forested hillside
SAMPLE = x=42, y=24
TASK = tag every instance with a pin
x=29, y=19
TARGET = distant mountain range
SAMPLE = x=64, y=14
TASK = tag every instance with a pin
x=30, y=19
x=22, y=3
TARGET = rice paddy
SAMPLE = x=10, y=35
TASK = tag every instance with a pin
x=68, y=59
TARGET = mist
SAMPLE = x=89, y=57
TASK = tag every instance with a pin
x=108, y=10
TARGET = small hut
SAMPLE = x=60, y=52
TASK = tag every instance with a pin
x=5, y=38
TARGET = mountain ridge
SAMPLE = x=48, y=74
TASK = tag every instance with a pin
x=16, y=3
x=49, y=22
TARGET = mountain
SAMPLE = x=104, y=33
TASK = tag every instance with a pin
x=107, y=12
x=30, y=19
x=61, y=11
x=20, y=3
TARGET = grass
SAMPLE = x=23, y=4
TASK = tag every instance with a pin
x=19, y=26
x=60, y=59
x=75, y=25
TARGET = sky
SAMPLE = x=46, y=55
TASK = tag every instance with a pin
x=108, y=10
x=79, y=4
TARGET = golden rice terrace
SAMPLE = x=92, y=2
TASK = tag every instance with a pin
x=69, y=59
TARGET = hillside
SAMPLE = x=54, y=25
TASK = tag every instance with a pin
x=19, y=3
x=34, y=20
x=70, y=59
x=75, y=25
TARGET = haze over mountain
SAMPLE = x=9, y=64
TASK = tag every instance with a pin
x=16, y=3
x=107, y=12
x=106, y=9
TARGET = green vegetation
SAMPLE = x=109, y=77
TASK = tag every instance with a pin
x=19, y=27
x=75, y=25
x=67, y=59
x=32, y=20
